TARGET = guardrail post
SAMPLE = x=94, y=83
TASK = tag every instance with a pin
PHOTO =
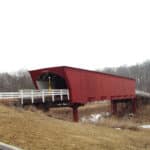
x=61, y=95
x=43, y=96
x=21, y=92
x=68, y=94
x=53, y=99
x=32, y=96
x=52, y=93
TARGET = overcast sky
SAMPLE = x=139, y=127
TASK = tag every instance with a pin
x=89, y=34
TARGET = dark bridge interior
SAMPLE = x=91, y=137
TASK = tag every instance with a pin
x=56, y=81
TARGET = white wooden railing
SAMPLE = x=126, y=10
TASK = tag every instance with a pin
x=34, y=94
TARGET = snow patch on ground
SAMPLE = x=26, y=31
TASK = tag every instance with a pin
x=145, y=126
x=94, y=118
x=118, y=128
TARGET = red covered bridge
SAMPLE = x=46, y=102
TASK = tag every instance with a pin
x=86, y=86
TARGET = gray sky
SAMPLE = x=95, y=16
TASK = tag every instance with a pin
x=90, y=34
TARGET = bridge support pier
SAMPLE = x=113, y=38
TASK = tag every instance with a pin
x=75, y=113
x=114, y=107
x=134, y=105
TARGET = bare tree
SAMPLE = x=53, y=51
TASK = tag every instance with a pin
x=140, y=72
x=16, y=81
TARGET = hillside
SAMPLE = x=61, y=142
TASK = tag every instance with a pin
x=36, y=131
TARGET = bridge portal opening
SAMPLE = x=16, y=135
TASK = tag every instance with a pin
x=55, y=81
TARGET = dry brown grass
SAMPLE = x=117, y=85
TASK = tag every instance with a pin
x=66, y=113
x=8, y=102
x=124, y=122
x=36, y=131
x=119, y=124
x=129, y=121
x=143, y=114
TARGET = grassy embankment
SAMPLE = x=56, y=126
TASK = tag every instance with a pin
x=36, y=131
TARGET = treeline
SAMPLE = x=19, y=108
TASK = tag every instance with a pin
x=140, y=72
x=15, y=81
x=22, y=79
